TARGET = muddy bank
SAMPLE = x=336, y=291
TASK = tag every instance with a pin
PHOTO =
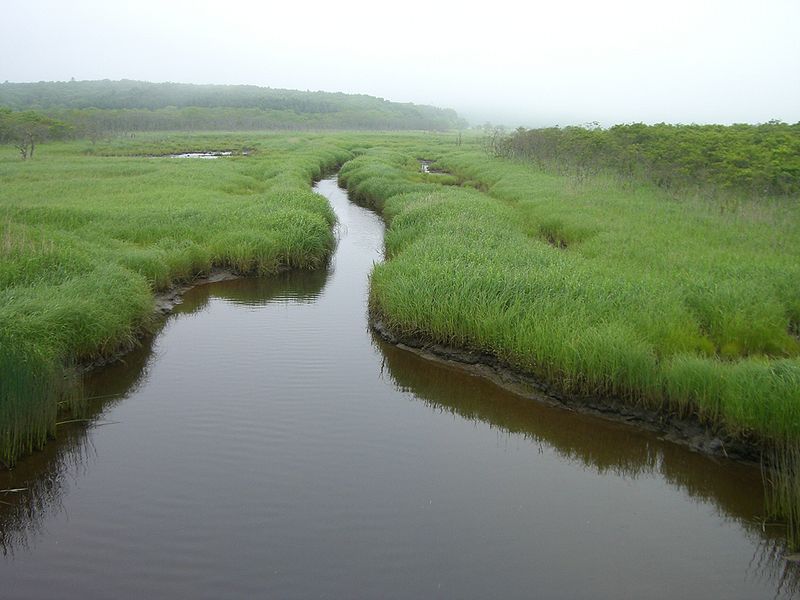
x=171, y=297
x=687, y=432
x=164, y=302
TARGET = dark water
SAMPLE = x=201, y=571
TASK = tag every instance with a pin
x=264, y=444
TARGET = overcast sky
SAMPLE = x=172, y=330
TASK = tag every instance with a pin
x=531, y=63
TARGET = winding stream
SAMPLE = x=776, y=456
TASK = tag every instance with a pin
x=265, y=444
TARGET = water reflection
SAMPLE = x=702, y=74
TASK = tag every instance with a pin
x=603, y=447
x=41, y=480
x=606, y=448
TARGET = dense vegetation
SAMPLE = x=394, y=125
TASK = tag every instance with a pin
x=680, y=302
x=97, y=107
x=750, y=160
x=601, y=290
x=668, y=304
x=85, y=241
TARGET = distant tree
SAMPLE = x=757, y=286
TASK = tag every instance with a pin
x=28, y=128
x=86, y=123
x=494, y=140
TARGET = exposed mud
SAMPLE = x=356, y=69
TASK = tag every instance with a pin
x=689, y=432
x=427, y=166
x=165, y=301
x=554, y=241
x=171, y=297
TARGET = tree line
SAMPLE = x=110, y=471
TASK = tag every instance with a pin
x=138, y=105
x=758, y=160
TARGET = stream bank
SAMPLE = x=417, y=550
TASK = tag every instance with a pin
x=265, y=433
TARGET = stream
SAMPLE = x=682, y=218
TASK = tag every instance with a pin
x=264, y=443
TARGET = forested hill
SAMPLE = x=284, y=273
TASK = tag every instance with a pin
x=140, y=105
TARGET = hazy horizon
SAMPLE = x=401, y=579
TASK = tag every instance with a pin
x=715, y=62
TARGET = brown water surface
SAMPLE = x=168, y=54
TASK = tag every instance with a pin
x=265, y=444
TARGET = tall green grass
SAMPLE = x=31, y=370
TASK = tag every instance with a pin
x=678, y=305
x=85, y=241
x=681, y=304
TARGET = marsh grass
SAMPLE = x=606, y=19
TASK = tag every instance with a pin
x=783, y=489
x=682, y=305
x=686, y=304
x=85, y=242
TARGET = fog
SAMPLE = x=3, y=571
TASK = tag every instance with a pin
x=533, y=63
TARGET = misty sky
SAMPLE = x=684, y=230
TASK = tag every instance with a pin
x=530, y=63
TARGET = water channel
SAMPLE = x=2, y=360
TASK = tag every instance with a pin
x=265, y=444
